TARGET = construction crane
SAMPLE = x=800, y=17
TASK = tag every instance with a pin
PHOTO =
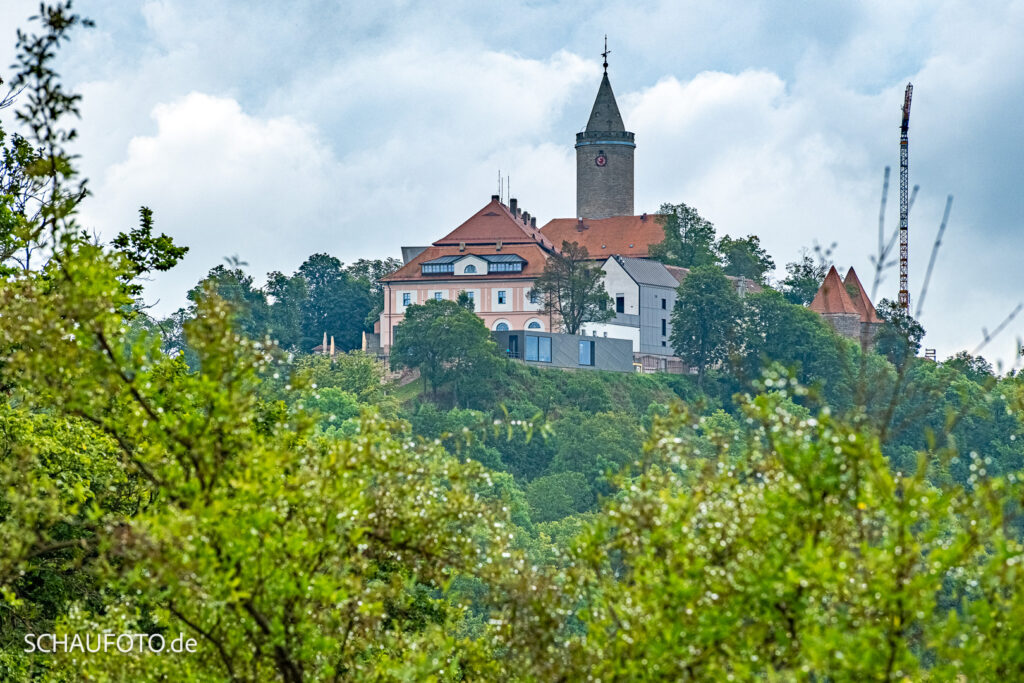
x=904, y=300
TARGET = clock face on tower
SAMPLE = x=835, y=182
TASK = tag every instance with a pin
x=601, y=160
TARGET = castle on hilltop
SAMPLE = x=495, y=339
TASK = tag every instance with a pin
x=496, y=255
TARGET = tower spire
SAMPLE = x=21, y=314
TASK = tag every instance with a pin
x=606, y=53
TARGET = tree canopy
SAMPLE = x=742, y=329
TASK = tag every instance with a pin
x=706, y=315
x=572, y=288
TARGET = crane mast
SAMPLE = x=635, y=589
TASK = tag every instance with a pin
x=904, y=300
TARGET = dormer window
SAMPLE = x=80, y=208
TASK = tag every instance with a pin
x=470, y=269
x=504, y=263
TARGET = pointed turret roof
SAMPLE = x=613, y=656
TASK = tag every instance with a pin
x=832, y=296
x=860, y=299
x=605, y=117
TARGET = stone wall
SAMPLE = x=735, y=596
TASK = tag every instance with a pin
x=604, y=191
x=846, y=324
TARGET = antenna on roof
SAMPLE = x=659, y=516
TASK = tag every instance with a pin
x=499, y=184
x=606, y=53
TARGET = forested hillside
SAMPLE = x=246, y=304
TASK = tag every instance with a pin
x=804, y=509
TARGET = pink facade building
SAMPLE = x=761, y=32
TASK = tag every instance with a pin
x=494, y=257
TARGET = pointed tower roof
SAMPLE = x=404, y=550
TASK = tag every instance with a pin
x=605, y=117
x=832, y=296
x=860, y=299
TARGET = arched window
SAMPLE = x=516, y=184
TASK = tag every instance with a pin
x=501, y=327
x=534, y=325
x=469, y=269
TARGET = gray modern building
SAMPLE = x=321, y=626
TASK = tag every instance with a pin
x=566, y=351
x=643, y=293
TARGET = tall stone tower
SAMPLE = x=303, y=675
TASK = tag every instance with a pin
x=604, y=159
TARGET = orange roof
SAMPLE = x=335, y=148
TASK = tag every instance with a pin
x=623, y=235
x=832, y=296
x=860, y=299
x=535, y=257
x=492, y=224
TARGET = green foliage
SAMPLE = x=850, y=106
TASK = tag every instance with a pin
x=338, y=303
x=556, y=496
x=803, y=279
x=465, y=301
x=595, y=445
x=876, y=538
x=572, y=288
x=899, y=340
x=745, y=257
x=689, y=238
x=447, y=344
x=706, y=314
x=776, y=331
x=146, y=253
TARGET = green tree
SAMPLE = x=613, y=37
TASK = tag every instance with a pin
x=555, y=496
x=370, y=272
x=803, y=278
x=250, y=310
x=287, y=297
x=745, y=257
x=447, y=344
x=572, y=288
x=146, y=253
x=337, y=303
x=465, y=301
x=689, y=238
x=776, y=331
x=705, y=318
x=976, y=368
x=899, y=340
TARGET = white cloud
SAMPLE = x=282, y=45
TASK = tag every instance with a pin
x=223, y=183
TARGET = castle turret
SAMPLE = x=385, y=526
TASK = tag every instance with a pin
x=604, y=160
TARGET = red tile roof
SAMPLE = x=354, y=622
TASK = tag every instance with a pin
x=535, y=257
x=832, y=296
x=480, y=235
x=623, y=235
x=860, y=299
x=494, y=223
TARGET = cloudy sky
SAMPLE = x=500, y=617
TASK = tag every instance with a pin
x=274, y=130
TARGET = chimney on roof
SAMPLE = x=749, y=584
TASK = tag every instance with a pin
x=533, y=221
x=643, y=217
x=513, y=205
x=495, y=197
x=526, y=216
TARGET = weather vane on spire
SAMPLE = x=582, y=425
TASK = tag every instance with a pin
x=606, y=53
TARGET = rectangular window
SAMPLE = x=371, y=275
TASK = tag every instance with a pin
x=586, y=353
x=664, y=327
x=533, y=296
x=538, y=348
x=406, y=298
x=438, y=296
x=501, y=296
x=663, y=343
x=471, y=296
x=620, y=304
x=664, y=303
x=438, y=268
